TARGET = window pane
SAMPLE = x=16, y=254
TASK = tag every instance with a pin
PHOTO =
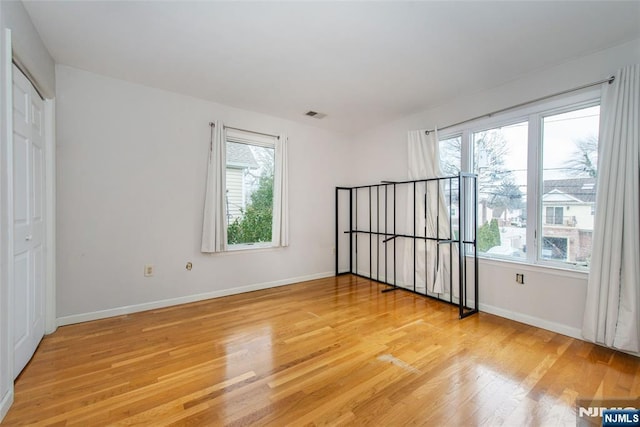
x=249, y=193
x=500, y=160
x=450, y=155
x=450, y=150
x=569, y=169
x=548, y=219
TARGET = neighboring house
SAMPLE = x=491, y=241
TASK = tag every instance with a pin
x=240, y=160
x=567, y=218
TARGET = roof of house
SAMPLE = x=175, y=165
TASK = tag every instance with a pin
x=581, y=189
x=240, y=155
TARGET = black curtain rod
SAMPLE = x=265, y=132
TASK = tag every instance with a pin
x=522, y=104
x=246, y=130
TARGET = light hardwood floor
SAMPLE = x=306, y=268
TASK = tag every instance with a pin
x=331, y=351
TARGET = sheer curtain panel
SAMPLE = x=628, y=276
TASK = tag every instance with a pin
x=280, y=225
x=611, y=315
x=214, y=226
x=424, y=162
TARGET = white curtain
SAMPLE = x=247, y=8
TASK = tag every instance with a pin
x=432, y=270
x=214, y=227
x=611, y=313
x=280, y=225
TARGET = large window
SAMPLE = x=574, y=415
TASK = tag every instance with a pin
x=249, y=192
x=536, y=172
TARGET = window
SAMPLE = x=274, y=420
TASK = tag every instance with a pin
x=250, y=169
x=536, y=172
x=554, y=248
x=553, y=216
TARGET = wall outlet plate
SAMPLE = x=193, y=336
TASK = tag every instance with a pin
x=148, y=270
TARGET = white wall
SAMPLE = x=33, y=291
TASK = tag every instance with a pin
x=131, y=169
x=30, y=50
x=553, y=299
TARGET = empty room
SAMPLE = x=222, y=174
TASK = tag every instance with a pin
x=223, y=213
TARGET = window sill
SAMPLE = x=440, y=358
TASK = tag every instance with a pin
x=546, y=268
x=248, y=248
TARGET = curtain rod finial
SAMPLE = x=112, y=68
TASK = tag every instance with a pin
x=212, y=124
x=612, y=79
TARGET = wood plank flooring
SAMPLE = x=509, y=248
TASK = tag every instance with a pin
x=332, y=351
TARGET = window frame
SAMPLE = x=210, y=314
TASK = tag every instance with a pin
x=534, y=114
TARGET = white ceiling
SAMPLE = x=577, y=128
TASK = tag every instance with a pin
x=361, y=63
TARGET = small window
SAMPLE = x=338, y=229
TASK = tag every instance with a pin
x=249, y=192
x=554, y=216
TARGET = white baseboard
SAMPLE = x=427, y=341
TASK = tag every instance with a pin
x=533, y=321
x=518, y=317
x=6, y=403
x=119, y=311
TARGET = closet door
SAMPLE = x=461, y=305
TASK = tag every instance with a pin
x=28, y=220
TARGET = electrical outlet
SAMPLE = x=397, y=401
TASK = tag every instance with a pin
x=148, y=270
x=520, y=278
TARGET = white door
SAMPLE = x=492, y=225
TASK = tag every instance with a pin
x=28, y=220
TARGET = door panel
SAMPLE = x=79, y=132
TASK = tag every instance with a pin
x=21, y=183
x=37, y=296
x=21, y=273
x=38, y=170
x=28, y=226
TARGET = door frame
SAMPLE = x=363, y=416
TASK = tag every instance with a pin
x=50, y=321
x=6, y=232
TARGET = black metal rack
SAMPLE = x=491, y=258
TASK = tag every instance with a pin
x=451, y=242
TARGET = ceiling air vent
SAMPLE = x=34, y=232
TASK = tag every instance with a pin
x=315, y=114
